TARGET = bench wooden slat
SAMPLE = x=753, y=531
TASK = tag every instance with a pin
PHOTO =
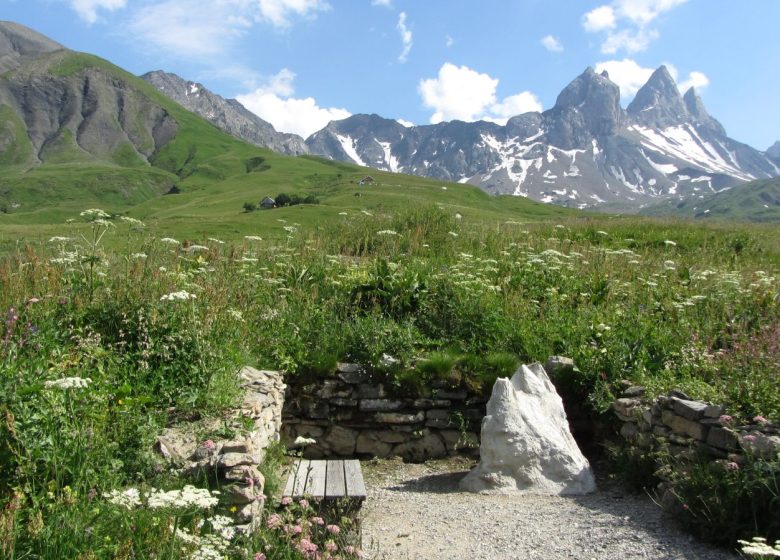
x=315, y=483
x=300, y=478
x=356, y=488
x=335, y=486
x=290, y=486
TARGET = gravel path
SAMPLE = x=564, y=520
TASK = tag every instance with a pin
x=417, y=512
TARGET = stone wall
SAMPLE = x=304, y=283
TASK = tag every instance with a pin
x=233, y=461
x=348, y=415
x=691, y=428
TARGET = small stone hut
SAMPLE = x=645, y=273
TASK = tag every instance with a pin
x=267, y=203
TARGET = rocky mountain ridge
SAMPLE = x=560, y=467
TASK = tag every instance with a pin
x=585, y=151
x=226, y=114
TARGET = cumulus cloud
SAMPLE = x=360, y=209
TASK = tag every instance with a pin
x=274, y=102
x=626, y=73
x=599, y=19
x=697, y=80
x=88, y=9
x=185, y=28
x=458, y=92
x=406, y=37
x=627, y=23
x=630, y=76
x=552, y=44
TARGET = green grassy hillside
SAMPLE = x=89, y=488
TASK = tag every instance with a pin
x=214, y=172
x=757, y=201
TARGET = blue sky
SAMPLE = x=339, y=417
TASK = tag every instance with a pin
x=300, y=63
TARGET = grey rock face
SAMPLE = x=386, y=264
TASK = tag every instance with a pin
x=89, y=114
x=658, y=103
x=18, y=43
x=586, y=151
x=226, y=114
x=774, y=152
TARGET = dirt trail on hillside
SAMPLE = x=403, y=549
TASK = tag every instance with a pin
x=415, y=511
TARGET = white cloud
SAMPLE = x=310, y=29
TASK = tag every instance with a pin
x=599, y=19
x=697, y=80
x=459, y=92
x=274, y=103
x=382, y=3
x=627, y=23
x=627, y=74
x=630, y=76
x=406, y=37
x=88, y=9
x=523, y=102
x=448, y=41
x=280, y=12
x=185, y=28
x=552, y=44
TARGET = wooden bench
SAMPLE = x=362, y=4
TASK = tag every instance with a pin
x=326, y=480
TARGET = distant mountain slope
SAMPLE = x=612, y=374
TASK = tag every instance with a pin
x=586, y=151
x=74, y=127
x=774, y=152
x=227, y=114
x=757, y=201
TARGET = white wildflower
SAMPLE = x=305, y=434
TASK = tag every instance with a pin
x=253, y=238
x=187, y=497
x=95, y=214
x=196, y=249
x=59, y=239
x=290, y=229
x=236, y=314
x=128, y=499
x=343, y=214
x=66, y=383
x=387, y=232
x=169, y=241
x=452, y=233
x=669, y=265
x=137, y=256
x=458, y=216
x=670, y=243
x=178, y=296
x=604, y=233
x=215, y=240
x=301, y=441
x=366, y=212
x=132, y=221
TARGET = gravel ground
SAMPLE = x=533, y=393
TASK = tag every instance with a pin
x=416, y=512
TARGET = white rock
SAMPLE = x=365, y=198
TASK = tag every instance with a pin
x=526, y=443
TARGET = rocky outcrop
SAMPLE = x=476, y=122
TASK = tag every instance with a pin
x=226, y=114
x=585, y=151
x=526, y=446
x=19, y=43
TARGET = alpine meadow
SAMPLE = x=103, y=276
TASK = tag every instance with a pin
x=198, y=303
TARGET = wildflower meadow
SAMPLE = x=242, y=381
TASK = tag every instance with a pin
x=111, y=331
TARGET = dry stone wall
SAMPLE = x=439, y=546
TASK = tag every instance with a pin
x=234, y=462
x=348, y=415
x=689, y=428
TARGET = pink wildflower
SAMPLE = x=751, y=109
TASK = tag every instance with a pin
x=726, y=418
x=260, y=556
x=307, y=548
x=274, y=521
x=749, y=438
x=760, y=419
x=334, y=529
x=297, y=530
x=250, y=482
x=286, y=501
x=304, y=503
x=209, y=444
x=331, y=546
x=732, y=466
x=318, y=521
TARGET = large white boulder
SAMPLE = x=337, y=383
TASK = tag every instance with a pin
x=527, y=446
